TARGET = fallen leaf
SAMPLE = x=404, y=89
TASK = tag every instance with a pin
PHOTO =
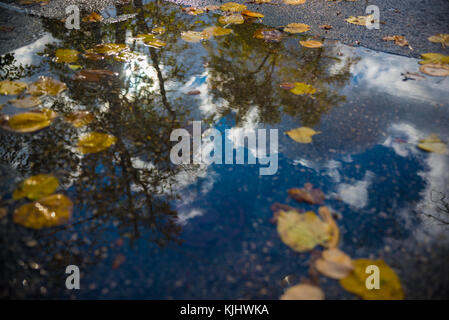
x=326, y=215
x=94, y=75
x=46, y=85
x=361, y=20
x=296, y=28
x=12, y=87
x=442, y=38
x=303, y=292
x=50, y=211
x=217, y=31
x=287, y=85
x=74, y=66
x=27, y=102
x=434, y=58
x=294, y=2
x=433, y=144
x=194, y=36
x=399, y=40
x=435, y=70
x=302, y=232
x=311, y=44
x=308, y=193
x=108, y=49
x=93, y=17
x=302, y=88
x=252, y=14
x=232, y=7
x=30, y=121
x=302, y=135
x=36, y=187
x=79, y=118
x=158, y=30
x=194, y=92
x=192, y=11
x=118, y=261
x=326, y=26
x=66, y=55
x=3, y=213
x=231, y=19
x=390, y=285
x=94, y=142
x=26, y=2
x=125, y=56
x=334, y=263
x=211, y=8
x=269, y=35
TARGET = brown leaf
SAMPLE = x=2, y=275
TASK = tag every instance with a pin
x=307, y=194
x=118, y=261
x=94, y=75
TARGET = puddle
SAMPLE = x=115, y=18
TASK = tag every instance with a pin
x=205, y=231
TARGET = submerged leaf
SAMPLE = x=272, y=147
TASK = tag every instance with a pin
x=334, y=263
x=36, y=187
x=217, y=31
x=435, y=70
x=297, y=27
x=30, y=121
x=232, y=7
x=46, y=85
x=66, y=55
x=194, y=36
x=311, y=44
x=49, y=211
x=108, y=49
x=307, y=194
x=303, y=292
x=27, y=102
x=269, y=35
x=12, y=87
x=231, y=19
x=389, y=287
x=302, y=134
x=433, y=144
x=94, y=142
x=302, y=88
x=79, y=118
x=93, y=75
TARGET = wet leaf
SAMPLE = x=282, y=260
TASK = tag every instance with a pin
x=211, y=8
x=302, y=232
x=287, y=85
x=334, y=263
x=399, y=40
x=435, y=70
x=94, y=142
x=74, y=66
x=217, y=31
x=326, y=26
x=158, y=30
x=3, y=213
x=361, y=20
x=126, y=56
x=232, y=7
x=296, y=28
x=390, y=285
x=194, y=36
x=302, y=135
x=30, y=121
x=192, y=11
x=303, y=292
x=46, y=85
x=93, y=17
x=36, y=187
x=12, y=87
x=302, y=88
x=27, y=102
x=433, y=144
x=41, y=2
x=79, y=118
x=155, y=43
x=326, y=215
x=434, y=58
x=118, y=261
x=269, y=35
x=294, y=2
x=307, y=194
x=94, y=75
x=66, y=55
x=442, y=38
x=311, y=44
x=194, y=92
x=108, y=49
x=231, y=19
x=252, y=14
x=49, y=211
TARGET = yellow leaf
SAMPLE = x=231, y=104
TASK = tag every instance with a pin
x=302, y=232
x=158, y=30
x=433, y=144
x=434, y=58
x=36, y=187
x=389, y=285
x=46, y=85
x=232, y=7
x=303, y=292
x=30, y=121
x=334, y=263
x=297, y=28
x=442, y=38
x=302, y=88
x=79, y=118
x=12, y=87
x=217, y=31
x=302, y=135
x=252, y=14
x=49, y=211
x=435, y=70
x=94, y=142
x=294, y=2
x=93, y=17
x=27, y=102
x=155, y=43
x=108, y=49
x=399, y=40
x=311, y=44
x=66, y=55
x=194, y=36
x=361, y=20
x=74, y=66
x=231, y=19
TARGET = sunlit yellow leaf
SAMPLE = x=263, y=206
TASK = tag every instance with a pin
x=334, y=263
x=12, y=87
x=232, y=19
x=296, y=28
x=50, y=211
x=158, y=30
x=302, y=88
x=311, y=44
x=389, y=287
x=302, y=232
x=194, y=36
x=433, y=144
x=46, y=85
x=27, y=102
x=36, y=187
x=303, y=292
x=294, y=2
x=442, y=38
x=252, y=14
x=94, y=142
x=361, y=20
x=79, y=118
x=108, y=49
x=31, y=121
x=93, y=17
x=74, y=66
x=155, y=43
x=302, y=135
x=434, y=58
x=232, y=7
x=217, y=31
x=435, y=70
x=66, y=55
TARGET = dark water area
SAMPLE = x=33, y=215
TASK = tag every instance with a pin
x=143, y=227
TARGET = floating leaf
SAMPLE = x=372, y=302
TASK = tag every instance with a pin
x=296, y=28
x=158, y=30
x=194, y=36
x=46, y=85
x=79, y=118
x=49, y=211
x=442, y=38
x=302, y=88
x=217, y=31
x=390, y=285
x=434, y=58
x=269, y=35
x=303, y=292
x=27, y=102
x=435, y=70
x=93, y=17
x=311, y=44
x=361, y=20
x=108, y=49
x=302, y=135
x=94, y=142
x=155, y=43
x=192, y=11
x=302, y=232
x=334, y=263
x=308, y=193
x=231, y=19
x=30, y=121
x=36, y=187
x=94, y=75
x=74, y=66
x=326, y=215
x=252, y=14
x=232, y=7
x=66, y=55
x=287, y=85
x=294, y=2
x=433, y=144
x=126, y=56
x=12, y=87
